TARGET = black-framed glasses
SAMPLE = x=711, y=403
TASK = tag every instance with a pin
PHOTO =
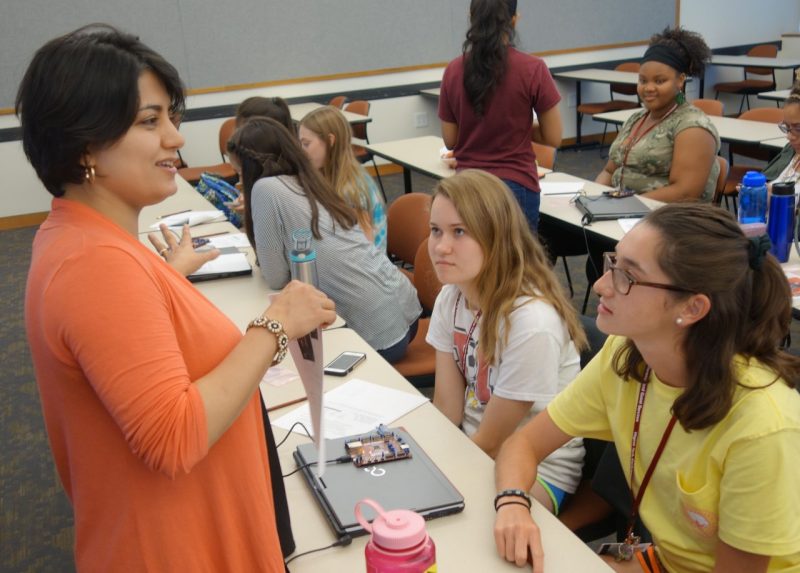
x=623, y=281
x=787, y=128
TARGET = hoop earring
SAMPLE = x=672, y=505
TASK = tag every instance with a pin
x=89, y=173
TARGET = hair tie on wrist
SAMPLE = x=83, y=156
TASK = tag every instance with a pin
x=522, y=503
x=757, y=248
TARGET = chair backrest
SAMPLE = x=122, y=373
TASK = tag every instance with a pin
x=719, y=190
x=359, y=107
x=337, y=101
x=425, y=278
x=625, y=89
x=709, y=106
x=545, y=155
x=766, y=114
x=407, y=222
x=762, y=51
x=225, y=131
x=756, y=151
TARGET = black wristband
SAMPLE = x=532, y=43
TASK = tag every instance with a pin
x=512, y=493
x=522, y=503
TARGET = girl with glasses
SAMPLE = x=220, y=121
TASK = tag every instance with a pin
x=696, y=395
x=785, y=167
x=506, y=336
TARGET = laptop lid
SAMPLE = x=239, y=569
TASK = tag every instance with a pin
x=413, y=483
x=605, y=208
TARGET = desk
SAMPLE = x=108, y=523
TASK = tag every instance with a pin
x=299, y=111
x=431, y=93
x=749, y=61
x=730, y=129
x=778, y=143
x=420, y=154
x=464, y=541
x=778, y=95
x=596, y=75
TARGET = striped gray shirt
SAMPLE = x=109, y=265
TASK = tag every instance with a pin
x=371, y=294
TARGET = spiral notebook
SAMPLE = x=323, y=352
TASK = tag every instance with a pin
x=605, y=208
x=414, y=483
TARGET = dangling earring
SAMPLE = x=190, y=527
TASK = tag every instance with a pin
x=680, y=98
x=89, y=173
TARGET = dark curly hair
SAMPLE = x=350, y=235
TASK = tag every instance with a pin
x=690, y=45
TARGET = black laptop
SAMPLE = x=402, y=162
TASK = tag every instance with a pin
x=606, y=208
x=411, y=483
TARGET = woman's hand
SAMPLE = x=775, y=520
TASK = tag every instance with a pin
x=237, y=205
x=181, y=255
x=517, y=537
x=301, y=308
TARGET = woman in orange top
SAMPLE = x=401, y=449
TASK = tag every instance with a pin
x=149, y=392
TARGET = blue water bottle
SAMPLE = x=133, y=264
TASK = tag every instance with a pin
x=780, y=225
x=753, y=198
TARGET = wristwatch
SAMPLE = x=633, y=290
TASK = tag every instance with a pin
x=276, y=328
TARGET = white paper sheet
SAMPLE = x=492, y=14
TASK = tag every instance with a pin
x=356, y=407
x=560, y=187
x=629, y=223
x=191, y=218
x=223, y=264
x=307, y=356
x=236, y=240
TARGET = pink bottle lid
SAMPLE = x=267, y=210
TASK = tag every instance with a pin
x=398, y=529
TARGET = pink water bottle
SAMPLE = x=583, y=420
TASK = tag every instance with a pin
x=398, y=542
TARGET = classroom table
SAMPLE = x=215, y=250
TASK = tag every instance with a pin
x=777, y=95
x=299, y=111
x=420, y=154
x=596, y=75
x=777, y=143
x=431, y=93
x=750, y=61
x=730, y=129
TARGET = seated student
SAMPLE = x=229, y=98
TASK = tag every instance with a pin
x=668, y=150
x=326, y=138
x=505, y=334
x=273, y=107
x=786, y=165
x=691, y=386
x=284, y=193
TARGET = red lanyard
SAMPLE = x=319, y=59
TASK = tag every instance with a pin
x=630, y=539
x=634, y=138
x=463, y=366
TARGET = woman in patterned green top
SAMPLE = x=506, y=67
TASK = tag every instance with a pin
x=668, y=149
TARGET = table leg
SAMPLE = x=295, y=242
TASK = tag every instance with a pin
x=577, y=113
x=407, y=179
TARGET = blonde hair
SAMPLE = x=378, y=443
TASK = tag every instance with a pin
x=341, y=169
x=514, y=262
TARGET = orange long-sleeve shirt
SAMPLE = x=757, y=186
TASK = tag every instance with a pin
x=117, y=338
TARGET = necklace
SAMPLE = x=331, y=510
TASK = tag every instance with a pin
x=634, y=138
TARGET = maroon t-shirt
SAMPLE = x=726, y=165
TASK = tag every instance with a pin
x=500, y=141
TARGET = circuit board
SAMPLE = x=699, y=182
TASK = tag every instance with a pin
x=377, y=448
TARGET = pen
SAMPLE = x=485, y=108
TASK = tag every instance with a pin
x=289, y=403
x=212, y=235
x=176, y=213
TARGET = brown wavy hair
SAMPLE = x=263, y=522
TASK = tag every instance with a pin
x=514, y=262
x=703, y=249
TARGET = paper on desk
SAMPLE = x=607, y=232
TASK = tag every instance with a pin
x=560, y=187
x=192, y=218
x=237, y=240
x=628, y=223
x=225, y=264
x=357, y=407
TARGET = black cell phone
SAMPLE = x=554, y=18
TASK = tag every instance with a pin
x=619, y=193
x=343, y=364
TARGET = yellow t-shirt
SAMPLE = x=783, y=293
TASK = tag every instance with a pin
x=735, y=481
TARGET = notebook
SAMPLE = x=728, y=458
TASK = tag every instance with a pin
x=413, y=483
x=230, y=263
x=605, y=208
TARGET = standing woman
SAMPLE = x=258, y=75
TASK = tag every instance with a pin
x=668, y=150
x=693, y=390
x=326, y=137
x=486, y=102
x=284, y=193
x=149, y=393
x=506, y=336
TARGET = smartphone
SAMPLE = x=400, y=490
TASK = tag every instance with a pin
x=198, y=242
x=619, y=193
x=343, y=364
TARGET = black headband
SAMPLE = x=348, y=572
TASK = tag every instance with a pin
x=668, y=55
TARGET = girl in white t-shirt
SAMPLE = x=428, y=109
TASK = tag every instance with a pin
x=507, y=338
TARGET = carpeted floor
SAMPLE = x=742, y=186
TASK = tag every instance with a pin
x=36, y=526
